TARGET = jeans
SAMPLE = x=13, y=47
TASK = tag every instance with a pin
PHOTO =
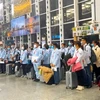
x=89, y=74
x=56, y=76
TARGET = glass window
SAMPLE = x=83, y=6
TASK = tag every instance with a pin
x=53, y=4
x=67, y=2
x=68, y=14
x=33, y=38
x=83, y=23
x=25, y=39
x=54, y=17
x=55, y=33
x=33, y=1
x=43, y=20
x=42, y=6
x=33, y=10
x=43, y=33
x=80, y=0
x=68, y=30
x=85, y=10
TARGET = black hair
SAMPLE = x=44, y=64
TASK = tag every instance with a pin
x=77, y=43
x=96, y=42
x=84, y=38
x=36, y=43
x=46, y=46
x=25, y=46
x=55, y=44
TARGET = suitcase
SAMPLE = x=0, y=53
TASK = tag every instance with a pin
x=62, y=73
x=71, y=80
x=18, y=73
x=9, y=69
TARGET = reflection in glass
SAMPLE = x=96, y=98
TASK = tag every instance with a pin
x=68, y=14
x=54, y=17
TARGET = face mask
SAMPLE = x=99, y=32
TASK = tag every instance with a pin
x=8, y=48
x=92, y=45
x=52, y=47
x=70, y=44
x=22, y=48
x=1, y=48
x=35, y=46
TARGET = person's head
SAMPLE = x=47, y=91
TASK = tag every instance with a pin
x=70, y=43
x=95, y=43
x=13, y=45
x=83, y=40
x=25, y=46
x=77, y=45
x=63, y=45
x=36, y=45
x=1, y=46
x=46, y=46
x=55, y=45
x=8, y=47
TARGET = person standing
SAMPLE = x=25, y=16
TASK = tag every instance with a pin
x=36, y=60
x=2, y=59
x=87, y=52
x=24, y=59
x=55, y=63
x=46, y=56
x=96, y=65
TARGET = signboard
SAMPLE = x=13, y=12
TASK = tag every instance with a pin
x=33, y=25
x=18, y=26
x=86, y=30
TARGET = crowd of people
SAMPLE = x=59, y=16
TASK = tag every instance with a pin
x=53, y=57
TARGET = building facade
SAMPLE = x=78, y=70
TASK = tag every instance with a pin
x=57, y=18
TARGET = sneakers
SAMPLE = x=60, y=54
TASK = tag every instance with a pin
x=80, y=88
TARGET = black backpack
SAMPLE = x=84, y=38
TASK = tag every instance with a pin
x=93, y=57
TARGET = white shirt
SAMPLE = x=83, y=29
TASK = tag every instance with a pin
x=87, y=53
x=80, y=54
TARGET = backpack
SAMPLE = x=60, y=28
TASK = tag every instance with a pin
x=93, y=57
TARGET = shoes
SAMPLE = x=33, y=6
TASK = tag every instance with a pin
x=80, y=88
x=22, y=76
x=36, y=80
x=89, y=86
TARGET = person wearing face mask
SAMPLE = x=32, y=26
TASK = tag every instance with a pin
x=96, y=65
x=55, y=63
x=46, y=56
x=70, y=49
x=24, y=60
x=79, y=53
x=2, y=59
x=8, y=61
x=37, y=55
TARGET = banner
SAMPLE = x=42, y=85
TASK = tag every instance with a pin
x=33, y=25
x=18, y=26
x=22, y=7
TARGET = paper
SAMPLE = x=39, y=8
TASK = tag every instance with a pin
x=1, y=62
x=34, y=58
